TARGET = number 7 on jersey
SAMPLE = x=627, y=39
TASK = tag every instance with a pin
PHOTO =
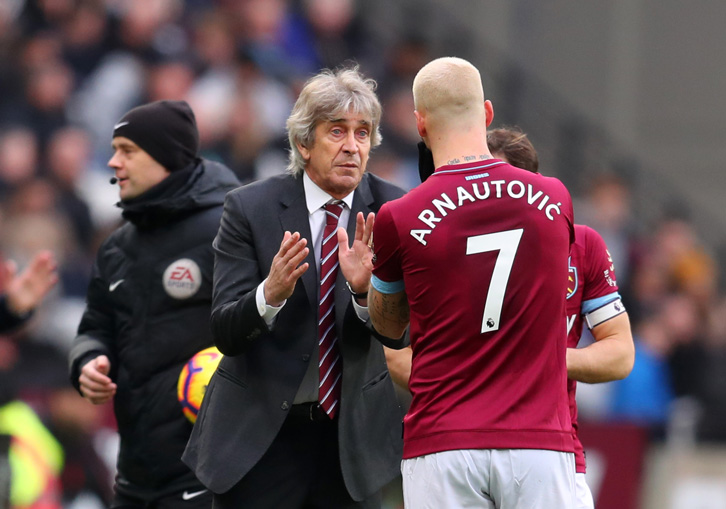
x=506, y=243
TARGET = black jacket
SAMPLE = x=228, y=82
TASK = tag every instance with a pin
x=148, y=310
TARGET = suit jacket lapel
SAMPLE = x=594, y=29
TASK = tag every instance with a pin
x=294, y=218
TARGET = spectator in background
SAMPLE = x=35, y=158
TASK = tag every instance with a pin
x=607, y=209
x=149, y=300
x=33, y=51
x=19, y=158
x=34, y=220
x=688, y=266
x=644, y=397
x=262, y=28
x=249, y=136
x=337, y=34
x=48, y=89
x=86, y=36
x=403, y=60
x=401, y=137
x=151, y=29
x=67, y=160
x=214, y=52
x=170, y=79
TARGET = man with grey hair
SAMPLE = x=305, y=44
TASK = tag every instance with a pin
x=302, y=411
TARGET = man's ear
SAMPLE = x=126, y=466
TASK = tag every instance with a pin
x=489, y=109
x=420, y=124
x=304, y=152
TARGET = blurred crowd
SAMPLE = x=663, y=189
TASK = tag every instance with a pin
x=70, y=68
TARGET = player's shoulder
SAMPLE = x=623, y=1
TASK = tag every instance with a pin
x=545, y=181
x=419, y=197
x=583, y=234
x=584, y=230
x=587, y=236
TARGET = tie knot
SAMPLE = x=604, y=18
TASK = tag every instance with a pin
x=332, y=212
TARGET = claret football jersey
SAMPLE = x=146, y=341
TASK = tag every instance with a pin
x=481, y=250
x=591, y=284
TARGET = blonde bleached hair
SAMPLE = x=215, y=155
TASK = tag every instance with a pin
x=449, y=88
x=327, y=96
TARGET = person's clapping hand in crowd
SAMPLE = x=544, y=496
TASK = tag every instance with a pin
x=22, y=293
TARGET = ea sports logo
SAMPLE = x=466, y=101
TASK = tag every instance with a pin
x=182, y=278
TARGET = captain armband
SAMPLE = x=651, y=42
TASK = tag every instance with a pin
x=604, y=313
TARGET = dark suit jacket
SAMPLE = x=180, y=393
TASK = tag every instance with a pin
x=249, y=397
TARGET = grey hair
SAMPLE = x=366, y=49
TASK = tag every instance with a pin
x=326, y=96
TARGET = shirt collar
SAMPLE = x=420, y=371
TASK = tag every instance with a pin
x=315, y=197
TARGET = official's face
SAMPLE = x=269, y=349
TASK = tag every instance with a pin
x=134, y=168
x=338, y=157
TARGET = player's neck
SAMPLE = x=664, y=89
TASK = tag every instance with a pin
x=466, y=149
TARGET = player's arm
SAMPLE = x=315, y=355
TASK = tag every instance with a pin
x=399, y=365
x=389, y=311
x=609, y=358
x=387, y=299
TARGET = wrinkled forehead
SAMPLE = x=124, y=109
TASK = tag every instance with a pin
x=359, y=115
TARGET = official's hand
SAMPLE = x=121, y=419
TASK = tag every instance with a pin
x=27, y=289
x=95, y=384
x=286, y=269
x=356, y=262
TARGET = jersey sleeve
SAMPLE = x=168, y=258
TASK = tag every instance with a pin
x=600, y=281
x=569, y=214
x=387, y=271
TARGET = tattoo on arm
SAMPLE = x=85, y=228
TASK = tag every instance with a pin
x=391, y=309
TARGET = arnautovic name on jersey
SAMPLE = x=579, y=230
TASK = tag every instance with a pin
x=483, y=191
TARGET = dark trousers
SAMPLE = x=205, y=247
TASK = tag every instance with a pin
x=193, y=498
x=300, y=470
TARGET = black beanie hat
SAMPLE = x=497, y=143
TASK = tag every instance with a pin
x=166, y=130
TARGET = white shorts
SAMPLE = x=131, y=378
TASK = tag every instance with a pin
x=583, y=495
x=490, y=479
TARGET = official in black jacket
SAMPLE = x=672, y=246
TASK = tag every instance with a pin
x=149, y=299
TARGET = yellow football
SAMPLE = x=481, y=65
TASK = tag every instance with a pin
x=194, y=378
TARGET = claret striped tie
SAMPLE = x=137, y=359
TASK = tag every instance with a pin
x=330, y=363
